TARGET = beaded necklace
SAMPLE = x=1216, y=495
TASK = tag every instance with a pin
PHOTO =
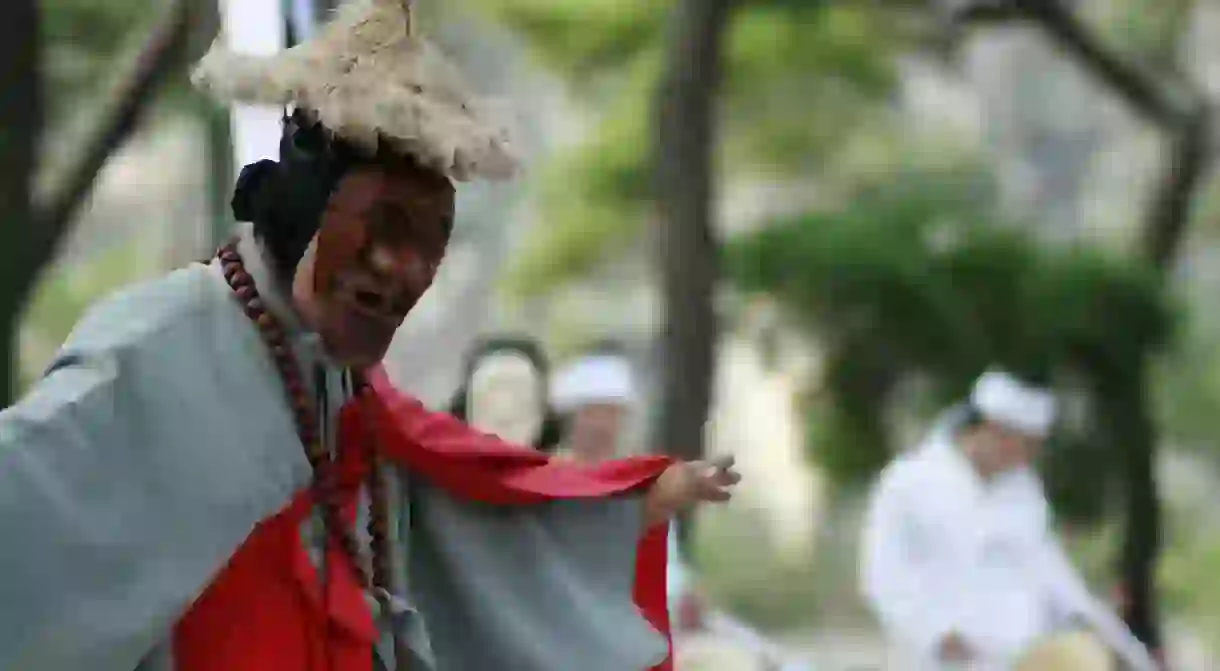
x=305, y=413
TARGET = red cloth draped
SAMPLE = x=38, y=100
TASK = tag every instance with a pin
x=265, y=611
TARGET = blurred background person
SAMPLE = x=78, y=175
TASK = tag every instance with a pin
x=505, y=392
x=595, y=393
x=960, y=562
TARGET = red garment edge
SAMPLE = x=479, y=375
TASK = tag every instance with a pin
x=483, y=468
x=225, y=631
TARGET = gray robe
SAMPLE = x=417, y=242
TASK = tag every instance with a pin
x=160, y=437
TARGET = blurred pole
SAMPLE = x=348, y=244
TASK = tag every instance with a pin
x=219, y=133
x=256, y=27
x=249, y=133
x=217, y=138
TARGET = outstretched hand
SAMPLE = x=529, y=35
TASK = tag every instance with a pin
x=712, y=480
x=687, y=484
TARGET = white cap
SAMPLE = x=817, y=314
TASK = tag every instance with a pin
x=602, y=378
x=1002, y=398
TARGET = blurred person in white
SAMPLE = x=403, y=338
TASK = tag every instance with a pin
x=505, y=392
x=595, y=394
x=960, y=561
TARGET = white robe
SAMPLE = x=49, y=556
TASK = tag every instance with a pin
x=946, y=552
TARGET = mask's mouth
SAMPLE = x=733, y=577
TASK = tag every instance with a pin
x=374, y=304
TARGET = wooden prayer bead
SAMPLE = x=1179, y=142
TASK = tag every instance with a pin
x=266, y=322
x=296, y=388
x=326, y=485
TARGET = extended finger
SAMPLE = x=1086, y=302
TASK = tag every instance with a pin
x=728, y=478
x=716, y=494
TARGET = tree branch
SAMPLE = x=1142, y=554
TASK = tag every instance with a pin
x=21, y=111
x=1189, y=158
x=1143, y=93
x=1173, y=104
x=153, y=66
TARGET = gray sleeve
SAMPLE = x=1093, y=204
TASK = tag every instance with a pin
x=546, y=587
x=123, y=491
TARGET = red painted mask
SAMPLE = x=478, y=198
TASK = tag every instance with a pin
x=382, y=238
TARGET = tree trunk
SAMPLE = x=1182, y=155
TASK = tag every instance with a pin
x=1142, y=543
x=20, y=130
x=686, y=241
x=36, y=223
x=1165, y=224
x=1177, y=107
x=1132, y=432
x=1188, y=158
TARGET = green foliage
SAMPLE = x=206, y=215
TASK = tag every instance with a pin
x=796, y=75
x=583, y=38
x=800, y=79
x=738, y=567
x=65, y=293
x=595, y=203
x=907, y=278
x=1188, y=391
x=84, y=41
x=1186, y=575
x=1151, y=31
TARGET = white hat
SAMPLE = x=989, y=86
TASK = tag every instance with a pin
x=369, y=80
x=601, y=378
x=1002, y=398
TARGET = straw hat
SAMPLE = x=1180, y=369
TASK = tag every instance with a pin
x=371, y=81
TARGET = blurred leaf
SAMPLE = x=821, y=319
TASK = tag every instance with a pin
x=67, y=291
x=798, y=74
x=86, y=45
x=771, y=46
x=594, y=205
x=84, y=40
x=1151, y=30
x=578, y=39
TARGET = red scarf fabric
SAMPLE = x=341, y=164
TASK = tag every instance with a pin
x=266, y=611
